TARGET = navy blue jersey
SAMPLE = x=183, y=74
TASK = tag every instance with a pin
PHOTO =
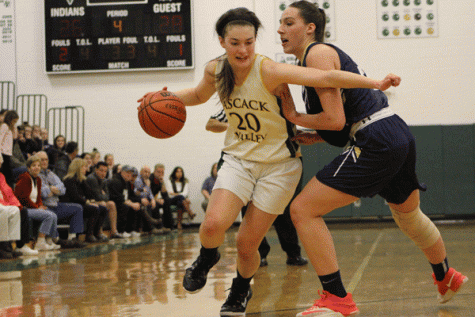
x=358, y=103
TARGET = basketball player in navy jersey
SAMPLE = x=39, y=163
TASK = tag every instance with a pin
x=380, y=159
x=260, y=165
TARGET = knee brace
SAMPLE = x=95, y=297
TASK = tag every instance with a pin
x=417, y=226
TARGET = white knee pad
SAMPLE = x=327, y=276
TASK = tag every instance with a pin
x=417, y=226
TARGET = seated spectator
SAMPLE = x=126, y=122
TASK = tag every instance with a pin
x=150, y=214
x=96, y=156
x=109, y=159
x=116, y=169
x=61, y=166
x=7, y=133
x=178, y=191
x=45, y=139
x=135, y=220
x=126, y=208
x=18, y=161
x=90, y=168
x=28, y=192
x=25, y=244
x=100, y=193
x=208, y=185
x=30, y=147
x=22, y=139
x=160, y=193
x=51, y=190
x=78, y=192
x=36, y=137
x=56, y=151
x=9, y=220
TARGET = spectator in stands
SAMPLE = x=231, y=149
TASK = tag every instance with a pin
x=9, y=220
x=88, y=158
x=25, y=244
x=18, y=161
x=177, y=187
x=119, y=194
x=100, y=193
x=30, y=146
x=116, y=169
x=96, y=156
x=20, y=132
x=150, y=213
x=208, y=185
x=160, y=193
x=136, y=220
x=28, y=192
x=36, y=137
x=78, y=192
x=61, y=167
x=45, y=139
x=7, y=133
x=109, y=159
x=56, y=151
x=51, y=190
x=22, y=141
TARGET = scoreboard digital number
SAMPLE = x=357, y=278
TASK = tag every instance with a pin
x=112, y=35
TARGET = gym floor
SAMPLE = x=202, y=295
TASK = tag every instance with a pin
x=386, y=273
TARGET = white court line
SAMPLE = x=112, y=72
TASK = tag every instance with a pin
x=359, y=273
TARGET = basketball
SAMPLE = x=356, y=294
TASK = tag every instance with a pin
x=162, y=114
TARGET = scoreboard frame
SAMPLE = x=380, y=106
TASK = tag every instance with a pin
x=86, y=36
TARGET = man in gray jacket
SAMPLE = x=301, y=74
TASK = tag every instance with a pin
x=98, y=187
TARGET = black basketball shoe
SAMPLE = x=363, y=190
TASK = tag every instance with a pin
x=236, y=303
x=196, y=274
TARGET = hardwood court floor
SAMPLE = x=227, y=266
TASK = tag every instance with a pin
x=386, y=273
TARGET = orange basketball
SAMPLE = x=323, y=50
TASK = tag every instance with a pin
x=162, y=114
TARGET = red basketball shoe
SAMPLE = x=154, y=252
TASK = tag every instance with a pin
x=330, y=305
x=450, y=285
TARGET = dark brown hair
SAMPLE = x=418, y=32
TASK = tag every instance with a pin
x=239, y=16
x=310, y=13
x=10, y=116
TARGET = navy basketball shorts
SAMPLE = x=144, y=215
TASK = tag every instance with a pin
x=381, y=160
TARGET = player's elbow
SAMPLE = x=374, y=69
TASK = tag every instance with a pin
x=340, y=124
x=336, y=124
x=214, y=125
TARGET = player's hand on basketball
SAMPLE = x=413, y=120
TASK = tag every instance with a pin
x=307, y=137
x=389, y=81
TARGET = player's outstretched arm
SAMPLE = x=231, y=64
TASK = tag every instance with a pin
x=305, y=76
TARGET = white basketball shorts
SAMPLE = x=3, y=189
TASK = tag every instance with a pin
x=270, y=186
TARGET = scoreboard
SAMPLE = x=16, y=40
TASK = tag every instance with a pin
x=117, y=35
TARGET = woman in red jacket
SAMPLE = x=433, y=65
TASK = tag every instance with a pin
x=9, y=219
x=28, y=192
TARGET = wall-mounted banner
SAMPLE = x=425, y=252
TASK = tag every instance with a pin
x=7, y=41
x=399, y=19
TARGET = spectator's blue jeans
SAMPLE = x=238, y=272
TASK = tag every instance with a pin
x=48, y=219
x=73, y=211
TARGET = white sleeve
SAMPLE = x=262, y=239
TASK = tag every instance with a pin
x=185, y=190
x=168, y=185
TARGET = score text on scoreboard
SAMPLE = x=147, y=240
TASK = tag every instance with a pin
x=111, y=35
